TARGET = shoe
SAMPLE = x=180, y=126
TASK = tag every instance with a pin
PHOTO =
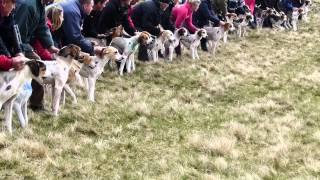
x=38, y=108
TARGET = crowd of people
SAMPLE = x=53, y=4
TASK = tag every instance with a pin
x=36, y=29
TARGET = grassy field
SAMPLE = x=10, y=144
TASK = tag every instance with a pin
x=252, y=112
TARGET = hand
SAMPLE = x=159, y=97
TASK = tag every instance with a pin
x=18, y=62
x=295, y=9
x=137, y=33
x=53, y=49
x=19, y=54
x=97, y=49
x=222, y=23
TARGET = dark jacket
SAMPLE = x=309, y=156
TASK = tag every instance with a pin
x=71, y=26
x=90, y=24
x=30, y=16
x=146, y=16
x=287, y=5
x=9, y=44
x=114, y=15
x=263, y=4
x=165, y=18
x=205, y=14
x=233, y=5
x=219, y=7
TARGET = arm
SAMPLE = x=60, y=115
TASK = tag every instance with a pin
x=288, y=4
x=41, y=51
x=5, y=63
x=14, y=36
x=23, y=15
x=181, y=17
x=190, y=25
x=89, y=26
x=147, y=25
x=207, y=13
x=72, y=32
x=131, y=24
x=126, y=23
x=42, y=31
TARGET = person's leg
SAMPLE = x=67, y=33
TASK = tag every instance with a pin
x=143, y=53
x=178, y=50
x=36, y=98
x=204, y=44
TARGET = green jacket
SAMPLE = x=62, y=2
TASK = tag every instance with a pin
x=31, y=19
x=219, y=6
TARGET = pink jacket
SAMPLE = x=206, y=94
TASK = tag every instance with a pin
x=250, y=4
x=183, y=13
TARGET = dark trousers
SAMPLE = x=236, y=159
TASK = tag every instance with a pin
x=143, y=53
x=203, y=44
x=178, y=50
x=36, y=98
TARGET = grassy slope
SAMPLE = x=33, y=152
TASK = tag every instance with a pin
x=252, y=112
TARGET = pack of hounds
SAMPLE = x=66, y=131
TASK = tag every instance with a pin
x=73, y=65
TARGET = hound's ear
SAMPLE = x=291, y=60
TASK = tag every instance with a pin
x=226, y=26
x=35, y=67
x=103, y=52
x=64, y=52
x=161, y=33
x=142, y=37
x=140, y=40
x=199, y=32
x=74, y=50
x=181, y=31
x=87, y=59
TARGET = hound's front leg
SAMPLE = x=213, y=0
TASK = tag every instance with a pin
x=123, y=62
x=225, y=37
x=133, y=64
x=193, y=53
x=71, y=93
x=17, y=108
x=129, y=64
x=244, y=31
x=92, y=87
x=58, y=88
x=294, y=25
x=8, y=113
x=79, y=79
x=239, y=32
x=214, y=48
x=63, y=97
x=24, y=108
x=171, y=53
x=154, y=55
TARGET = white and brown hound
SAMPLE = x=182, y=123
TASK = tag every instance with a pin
x=11, y=88
x=192, y=42
x=128, y=47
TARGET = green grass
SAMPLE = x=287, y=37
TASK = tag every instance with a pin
x=252, y=112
